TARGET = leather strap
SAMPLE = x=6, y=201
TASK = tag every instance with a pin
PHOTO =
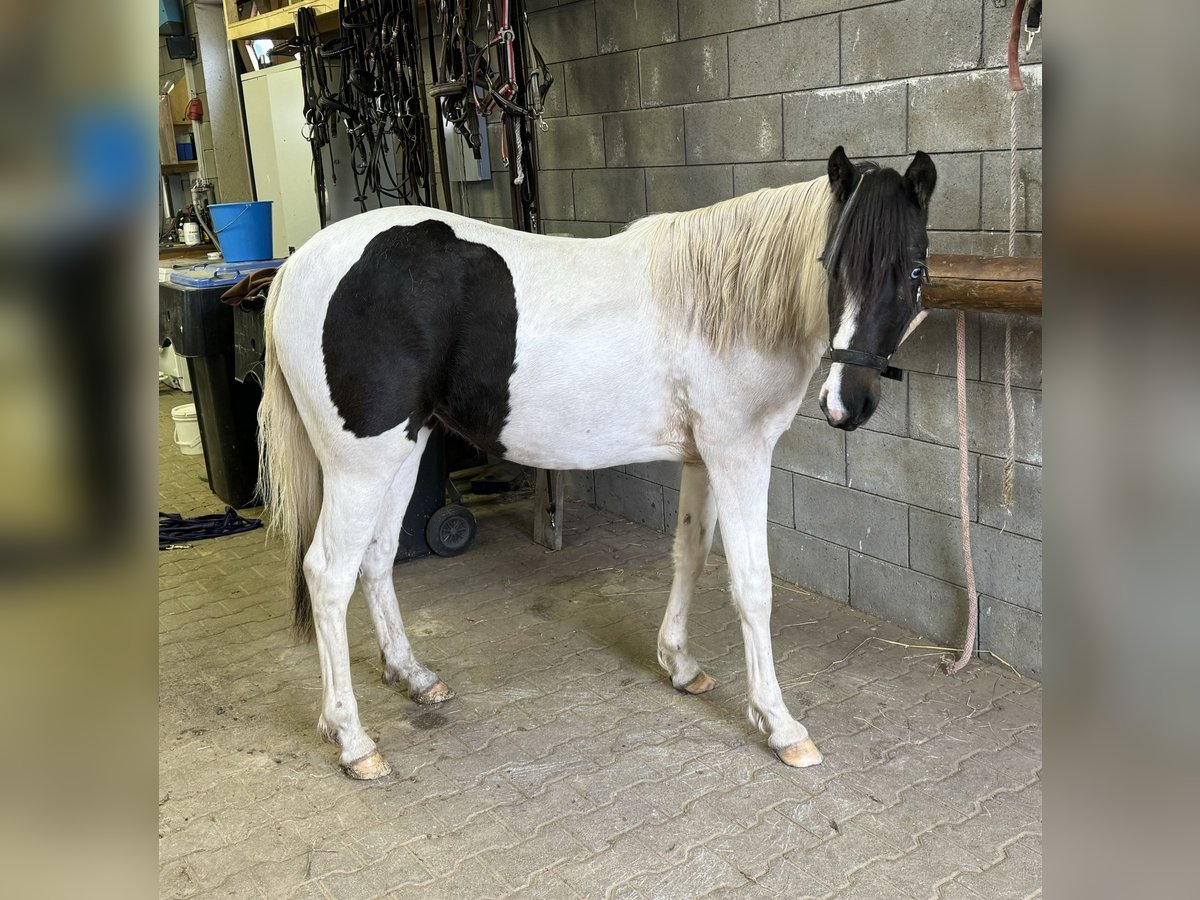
x=867, y=361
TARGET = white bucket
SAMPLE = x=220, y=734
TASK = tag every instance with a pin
x=187, y=429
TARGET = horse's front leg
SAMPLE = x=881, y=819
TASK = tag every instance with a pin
x=693, y=539
x=740, y=479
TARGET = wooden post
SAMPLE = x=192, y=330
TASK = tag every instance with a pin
x=997, y=284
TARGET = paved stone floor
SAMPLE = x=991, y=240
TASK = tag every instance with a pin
x=567, y=766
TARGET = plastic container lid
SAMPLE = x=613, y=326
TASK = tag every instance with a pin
x=219, y=274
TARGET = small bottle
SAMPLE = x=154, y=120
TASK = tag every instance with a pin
x=191, y=229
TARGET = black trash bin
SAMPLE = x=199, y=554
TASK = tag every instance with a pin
x=430, y=524
x=193, y=319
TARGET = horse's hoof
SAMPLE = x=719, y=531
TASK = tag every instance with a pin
x=701, y=684
x=370, y=767
x=801, y=754
x=439, y=693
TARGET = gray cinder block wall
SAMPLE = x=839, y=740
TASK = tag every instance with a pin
x=665, y=105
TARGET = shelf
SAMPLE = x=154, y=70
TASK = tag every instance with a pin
x=276, y=20
x=178, y=168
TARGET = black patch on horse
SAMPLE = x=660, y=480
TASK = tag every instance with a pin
x=423, y=326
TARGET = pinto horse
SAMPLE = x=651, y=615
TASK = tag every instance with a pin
x=688, y=336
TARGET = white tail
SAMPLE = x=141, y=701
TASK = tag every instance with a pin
x=289, y=476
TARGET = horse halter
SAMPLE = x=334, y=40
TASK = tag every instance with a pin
x=882, y=364
x=918, y=276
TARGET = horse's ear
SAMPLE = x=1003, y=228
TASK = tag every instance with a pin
x=841, y=174
x=921, y=178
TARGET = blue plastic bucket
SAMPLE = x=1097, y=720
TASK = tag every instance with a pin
x=244, y=229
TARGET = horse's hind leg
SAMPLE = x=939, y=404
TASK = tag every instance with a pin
x=352, y=502
x=399, y=663
x=693, y=539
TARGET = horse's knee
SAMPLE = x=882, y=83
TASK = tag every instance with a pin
x=377, y=565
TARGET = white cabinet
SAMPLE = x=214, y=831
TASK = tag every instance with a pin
x=280, y=156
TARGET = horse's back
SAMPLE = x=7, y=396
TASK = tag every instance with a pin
x=541, y=349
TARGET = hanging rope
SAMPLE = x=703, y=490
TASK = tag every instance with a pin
x=964, y=501
x=1010, y=459
x=964, y=474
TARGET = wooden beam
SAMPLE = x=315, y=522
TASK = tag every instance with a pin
x=998, y=284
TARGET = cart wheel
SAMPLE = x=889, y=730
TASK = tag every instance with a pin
x=450, y=530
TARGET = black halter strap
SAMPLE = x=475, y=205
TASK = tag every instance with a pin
x=880, y=364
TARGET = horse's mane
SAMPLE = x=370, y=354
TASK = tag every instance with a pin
x=745, y=270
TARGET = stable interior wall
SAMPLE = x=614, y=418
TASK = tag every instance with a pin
x=675, y=104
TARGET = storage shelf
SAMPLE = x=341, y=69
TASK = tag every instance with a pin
x=274, y=21
x=178, y=168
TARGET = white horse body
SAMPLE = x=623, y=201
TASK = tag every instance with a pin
x=600, y=378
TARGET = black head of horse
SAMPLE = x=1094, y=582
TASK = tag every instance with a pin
x=875, y=259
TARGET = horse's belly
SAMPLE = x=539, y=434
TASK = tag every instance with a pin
x=588, y=401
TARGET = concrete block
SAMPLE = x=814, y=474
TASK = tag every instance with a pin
x=996, y=20
x=572, y=142
x=813, y=448
x=799, y=9
x=580, y=484
x=955, y=203
x=631, y=498
x=602, y=83
x=685, y=72
x=809, y=562
x=1012, y=632
x=556, y=100
x=903, y=469
x=565, y=32
x=747, y=130
x=932, y=608
x=854, y=519
x=1026, y=515
x=628, y=24
x=578, y=229
x=749, y=177
x=932, y=347
x=790, y=56
x=933, y=416
x=610, y=195
x=997, y=185
x=969, y=111
x=986, y=243
x=779, y=499
x=670, y=509
x=868, y=120
x=701, y=17
x=646, y=137
x=488, y=199
x=1007, y=565
x=1026, y=346
x=919, y=37
x=555, y=194
x=687, y=187
x=661, y=472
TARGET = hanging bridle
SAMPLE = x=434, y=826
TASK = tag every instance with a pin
x=918, y=276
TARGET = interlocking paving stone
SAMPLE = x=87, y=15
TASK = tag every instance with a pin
x=567, y=766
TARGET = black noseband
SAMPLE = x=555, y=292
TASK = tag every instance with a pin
x=867, y=361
